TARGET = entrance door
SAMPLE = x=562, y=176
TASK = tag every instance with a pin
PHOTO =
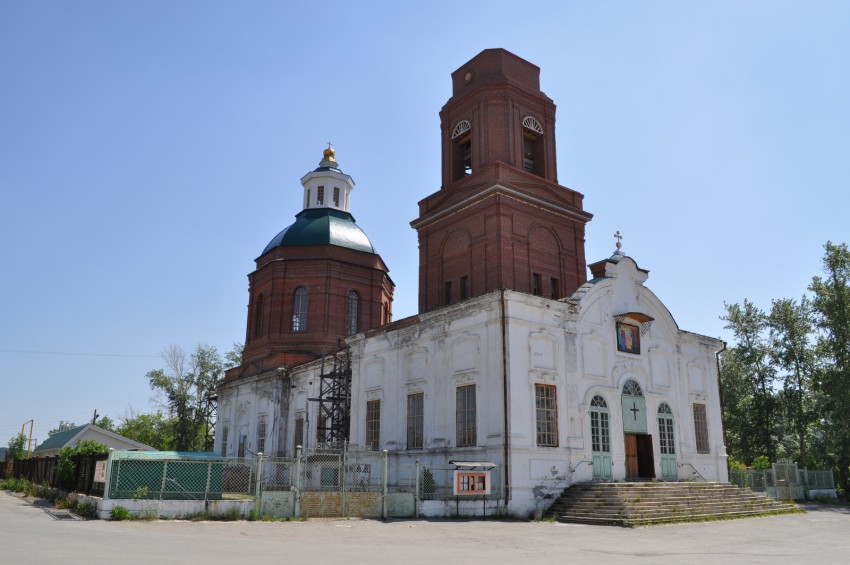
x=631, y=457
x=666, y=443
x=600, y=439
x=639, y=460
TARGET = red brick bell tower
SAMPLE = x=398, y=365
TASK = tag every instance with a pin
x=500, y=220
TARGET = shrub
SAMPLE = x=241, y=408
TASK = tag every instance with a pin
x=119, y=513
x=85, y=509
x=761, y=463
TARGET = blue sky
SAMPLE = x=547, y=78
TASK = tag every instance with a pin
x=150, y=150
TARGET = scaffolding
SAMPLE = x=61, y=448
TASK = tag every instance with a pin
x=334, y=400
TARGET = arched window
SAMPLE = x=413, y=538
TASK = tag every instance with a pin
x=299, y=310
x=462, y=150
x=258, y=316
x=352, y=313
x=632, y=388
x=532, y=146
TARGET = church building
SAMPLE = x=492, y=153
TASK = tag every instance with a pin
x=516, y=357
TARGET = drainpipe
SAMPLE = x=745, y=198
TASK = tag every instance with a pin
x=505, y=394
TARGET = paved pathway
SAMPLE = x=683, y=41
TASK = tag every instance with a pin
x=35, y=534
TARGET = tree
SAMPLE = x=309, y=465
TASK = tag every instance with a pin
x=106, y=423
x=17, y=446
x=750, y=358
x=186, y=386
x=831, y=303
x=791, y=329
x=154, y=430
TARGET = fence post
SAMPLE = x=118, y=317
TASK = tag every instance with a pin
x=297, y=482
x=416, y=490
x=343, y=476
x=164, y=475
x=258, y=491
x=108, y=476
x=385, y=478
x=207, y=487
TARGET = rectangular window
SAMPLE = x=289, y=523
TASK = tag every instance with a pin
x=415, y=420
x=225, y=431
x=556, y=290
x=464, y=287
x=536, y=284
x=373, y=424
x=320, y=196
x=336, y=196
x=447, y=292
x=471, y=482
x=299, y=433
x=261, y=434
x=465, y=416
x=701, y=428
x=547, y=415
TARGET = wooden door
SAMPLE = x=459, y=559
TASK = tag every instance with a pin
x=632, y=469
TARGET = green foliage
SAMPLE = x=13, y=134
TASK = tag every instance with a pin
x=66, y=468
x=185, y=386
x=735, y=465
x=786, y=379
x=141, y=493
x=761, y=463
x=154, y=430
x=18, y=446
x=119, y=513
x=106, y=423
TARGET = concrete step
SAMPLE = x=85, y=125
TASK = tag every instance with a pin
x=648, y=503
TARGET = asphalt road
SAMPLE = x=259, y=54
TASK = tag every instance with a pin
x=34, y=533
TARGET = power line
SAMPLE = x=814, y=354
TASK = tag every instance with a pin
x=35, y=352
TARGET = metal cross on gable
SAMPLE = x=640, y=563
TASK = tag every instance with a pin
x=619, y=239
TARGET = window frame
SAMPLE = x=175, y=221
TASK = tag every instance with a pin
x=546, y=415
x=416, y=420
x=701, y=428
x=299, y=310
x=352, y=313
x=466, y=425
x=373, y=424
x=261, y=433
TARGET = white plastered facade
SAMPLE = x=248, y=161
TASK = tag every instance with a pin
x=506, y=344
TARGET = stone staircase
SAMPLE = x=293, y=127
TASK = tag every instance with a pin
x=644, y=503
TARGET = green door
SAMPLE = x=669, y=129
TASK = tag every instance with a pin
x=669, y=468
x=600, y=439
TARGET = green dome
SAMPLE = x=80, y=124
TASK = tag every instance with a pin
x=322, y=226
